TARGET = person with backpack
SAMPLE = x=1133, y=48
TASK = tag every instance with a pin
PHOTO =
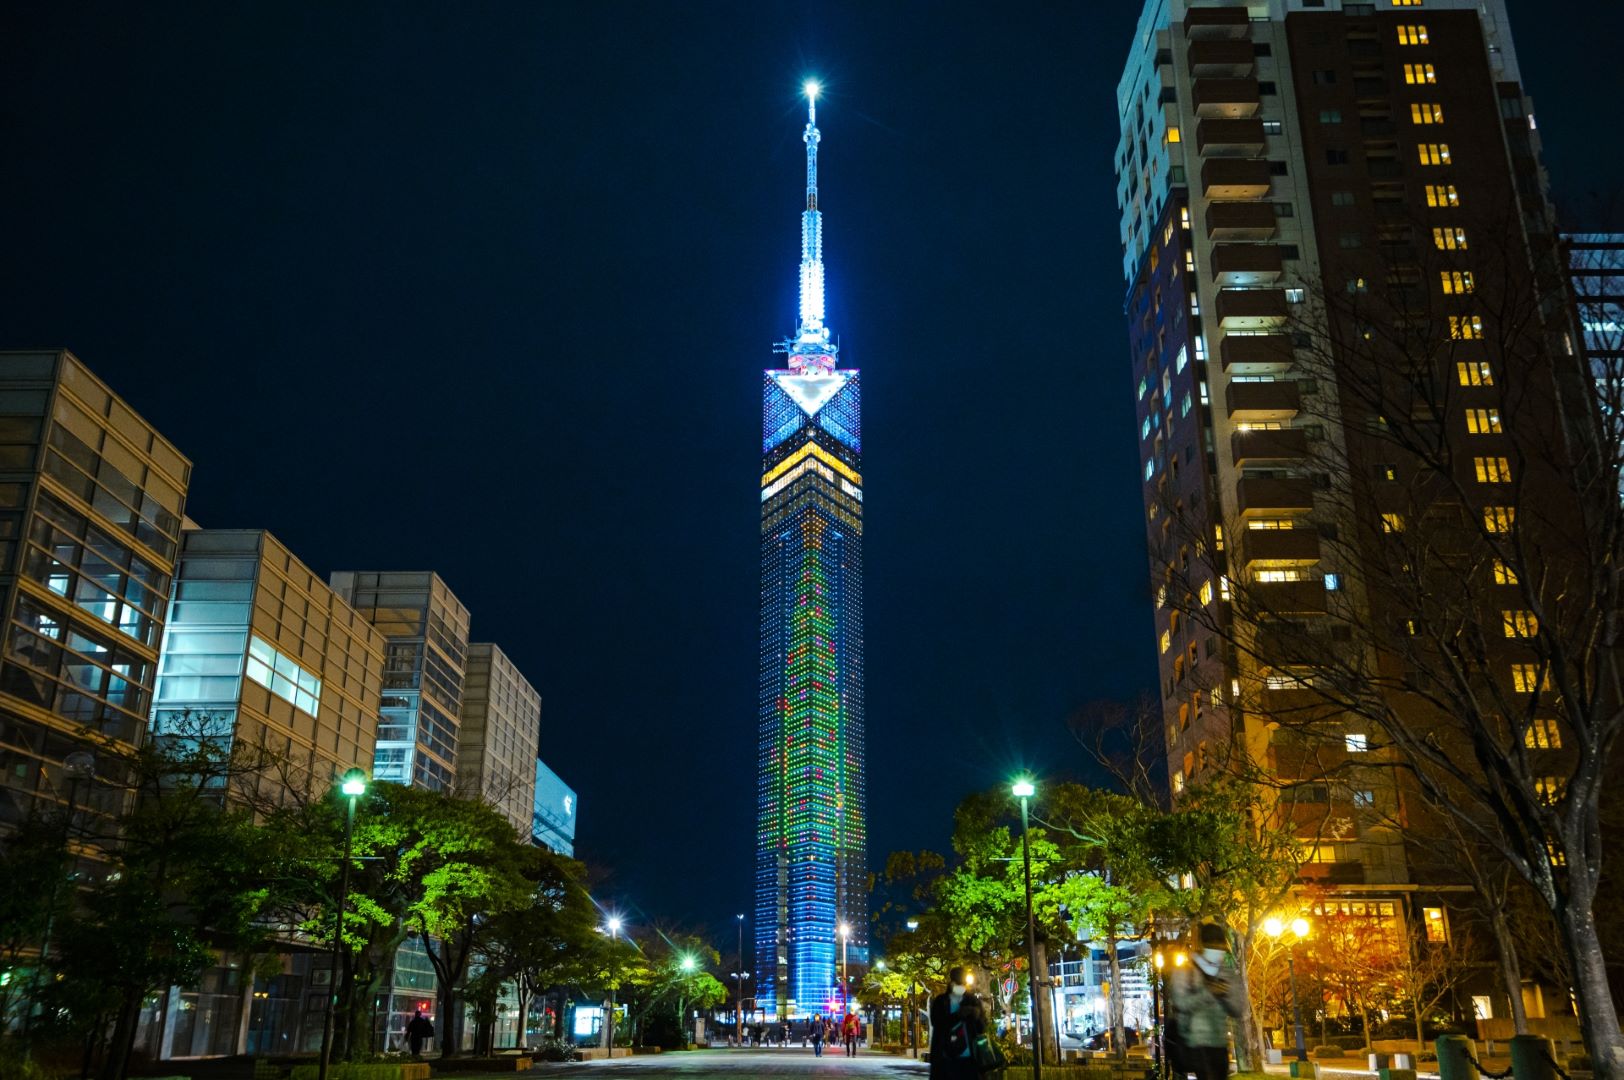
x=957, y=1021
x=848, y=1033
x=1205, y=995
x=417, y=1030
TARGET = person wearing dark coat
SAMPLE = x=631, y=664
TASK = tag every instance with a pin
x=418, y=1028
x=957, y=1019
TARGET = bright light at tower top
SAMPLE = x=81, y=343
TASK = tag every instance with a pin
x=812, y=89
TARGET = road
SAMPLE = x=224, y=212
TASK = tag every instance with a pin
x=744, y=1064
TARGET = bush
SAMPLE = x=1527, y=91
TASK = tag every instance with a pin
x=1323, y=1050
x=551, y=1049
x=351, y=1070
x=14, y=1067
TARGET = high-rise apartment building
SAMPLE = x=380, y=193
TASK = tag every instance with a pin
x=91, y=503
x=811, y=841
x=258, y=650
x=1294, y=178
x=496, y=745
x=425, y=663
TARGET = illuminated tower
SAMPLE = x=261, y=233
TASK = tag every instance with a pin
x=811, y=837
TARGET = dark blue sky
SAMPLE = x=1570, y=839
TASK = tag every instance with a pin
x=487, y=288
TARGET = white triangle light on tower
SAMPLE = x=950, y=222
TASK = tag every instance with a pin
x=811, y=389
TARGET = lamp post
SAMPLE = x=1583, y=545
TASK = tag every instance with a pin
x=1023, y=790
x=845, y=987
x=353, y=786
x=913, y=997
x=613, y=927
x=738, y=986
x=1299, y=930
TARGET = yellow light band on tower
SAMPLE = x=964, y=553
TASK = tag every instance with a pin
x=814, y=450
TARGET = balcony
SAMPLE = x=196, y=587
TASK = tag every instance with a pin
x=1234, y=178
x=1251, y=309
x=1217, y=24
x=1256, y=354
x=1280, y=547
x=1229, y=138
x=1246, y=264
x=1225, y=98
x=1287, y=597
x=1241, y=221
x=1253, y=447
x=1249, y=402
x=1221, y=59
x=1255, y=496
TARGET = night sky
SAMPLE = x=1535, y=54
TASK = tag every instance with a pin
x=487, y=288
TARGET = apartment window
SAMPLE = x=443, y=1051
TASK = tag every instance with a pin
x=1392, y=523
x=1549, y=789
x=1426, y=112
x=1189, y=261
x=1182, y=361
x=1296, y=296
x=1412, y=34
x=1465, y=327
x=1333, y=582
x=1273, y=127
x=1266, y=88
x=1442, y=195
x=1357, y=287
x=1281, y=575
x=281, y=676
x=1543, y=732
x=1336, y=157
x=1455, y=282
x=1325, y=77
x=1223, y=587
x=1206, y=592
x=1437, y=929
x=1483, y=421
x=1499, y=519
x=1364, y=800
x=1474, y=373
x=1341, y=198
x=1503, y=574
x=1356, y=742
x=1519, y=624
x=1184, y=218
x=1174, y=134
x=1449, y=239
x=1167, y=640
x=1433, y=153
x=1195, y=304
x=1525, y=678
x=1284, y=209
x=1330, y=116
x=1406, y=3
x=1492, y=470
x=1387, y=472
x=1271, y=523
x=1420, y=74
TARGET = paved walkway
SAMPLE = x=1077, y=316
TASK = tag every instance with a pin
x=740, y=1064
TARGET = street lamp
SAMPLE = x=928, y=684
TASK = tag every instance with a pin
x=1299, y=930
x=845, y=987
x=913, y=996
x=1023, y=790
x=738, y=986
x=353, y=786
x=613, y=926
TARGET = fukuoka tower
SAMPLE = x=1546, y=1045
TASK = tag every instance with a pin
x=811, y=830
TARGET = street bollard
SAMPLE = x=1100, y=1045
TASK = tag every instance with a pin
x=1455, y=1061
x=1531, y=1058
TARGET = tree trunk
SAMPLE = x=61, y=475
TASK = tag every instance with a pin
x=523, y=1027
x=1598, y=1018
x=117, y=1063
x=1119, y=1034
x=1249, y=1040
x=1038, y=988
x=1510, y=968
x=450, y=1026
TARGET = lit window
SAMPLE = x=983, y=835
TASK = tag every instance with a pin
x=1492, y=470
x=1465, y=327
x=1167, y=640
x=1281, y=575
x=1406, y=3
x=1418, y=74
x=1456, y=282
x=1189, y=261
x=1436, y=928
x=1503, y=574
x=1549, y=789
x=1178, y=780
x=1499, y=519
x=1557, y=856
x=1483, y=421
x=1442, y=195
x=281, y=676
x=1195, y=304
x=1271, y=523
x=1333, y=582
x=1356, y=742
x=1433, y=153
x=1182, y=360
x=1223, y=587
x=1525, y=678
x=1184, y=217
x=1426, y=112
x=1174, y=134
x=1412, y=34
x=1543, y=733
x=1392, y=523
x=1450, y=239
x=1218, y=538
x=1519, y=624
x=1206, y=592
x=1364, y=799
x=1200, y=348
x=1474, y=373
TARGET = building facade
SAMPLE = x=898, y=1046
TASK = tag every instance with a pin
x=501, y=724
x=552, y=817
x=1596, y=268
x=425, y=665
x=91, y=504
x=811, y=841
x=1301, y=182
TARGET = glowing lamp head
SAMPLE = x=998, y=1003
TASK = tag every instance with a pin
x=1273, y=927
x=354, y=783
x=688, y=963
x=1161, y=961
x=913, y=924
x=812, y=89
x=969, y=978
x=879, y=965
x=614, y=925
x=1299, y=927
x=1024, y=788
x=845, y=931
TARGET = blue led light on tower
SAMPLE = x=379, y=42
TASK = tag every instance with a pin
x=811, y=842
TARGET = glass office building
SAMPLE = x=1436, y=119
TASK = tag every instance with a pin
x=501, y=724
x=425, y=663
x=811, y=865
x=552, y=822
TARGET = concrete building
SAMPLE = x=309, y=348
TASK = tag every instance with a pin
x=91, y=502
x=501, y=725
x=553, y=812
x=1276, y=159
x=425, y=664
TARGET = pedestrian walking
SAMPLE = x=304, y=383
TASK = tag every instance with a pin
x=957, y=1020
x=1206, y=995
x=817, y=1038
x=418, y=1028
x=848, y=1033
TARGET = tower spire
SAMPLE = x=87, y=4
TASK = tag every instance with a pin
x=811, y=348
